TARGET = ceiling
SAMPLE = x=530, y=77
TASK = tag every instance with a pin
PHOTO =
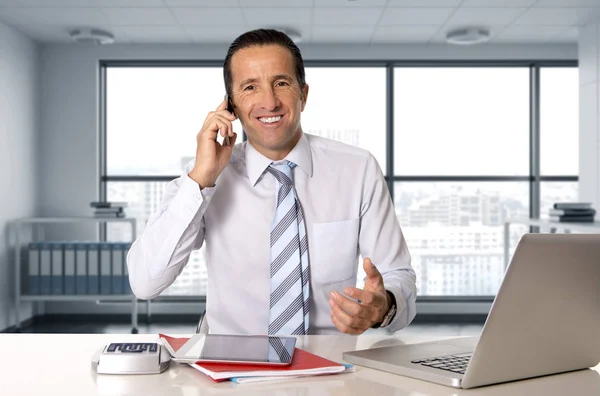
x=319, y=21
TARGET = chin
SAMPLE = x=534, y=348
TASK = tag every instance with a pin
x=273, y=140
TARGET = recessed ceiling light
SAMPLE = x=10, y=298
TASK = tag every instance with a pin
x=294, y=34
x=468, y=36
x=91, y=36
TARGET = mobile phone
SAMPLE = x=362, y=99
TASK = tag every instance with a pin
x=237, y=349
x=229, y=104
x=226, y=141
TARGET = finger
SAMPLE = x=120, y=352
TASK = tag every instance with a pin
x=231, y=141
x=228, y=121
x=226, y=114
x=364, y=296
x=225, y=126
x=346, y=319
x=373, y=275
x=222, y=106
x=353, y=308
x=222, y=126
x=343, y=328
x=210, y=128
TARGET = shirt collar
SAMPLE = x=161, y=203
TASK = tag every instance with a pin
x=256, y=163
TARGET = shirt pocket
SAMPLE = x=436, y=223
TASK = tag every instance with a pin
x=334, y=251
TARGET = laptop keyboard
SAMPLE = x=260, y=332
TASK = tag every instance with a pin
x=454, y=363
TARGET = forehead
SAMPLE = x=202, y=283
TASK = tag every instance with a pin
x=261, y=61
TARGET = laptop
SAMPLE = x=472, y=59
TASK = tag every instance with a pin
x=544, y=320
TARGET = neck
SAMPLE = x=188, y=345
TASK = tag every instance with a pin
x=278, y=155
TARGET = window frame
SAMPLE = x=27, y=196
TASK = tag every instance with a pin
x=534, y=178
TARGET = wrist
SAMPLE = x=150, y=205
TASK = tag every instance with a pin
x=389, y=312
x=201, y=179
x=386, y=309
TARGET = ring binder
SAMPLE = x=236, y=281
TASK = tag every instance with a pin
x=69, y=274
x=75, y=273
x=34, y=268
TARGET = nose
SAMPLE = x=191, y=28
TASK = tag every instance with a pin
x=269, y=100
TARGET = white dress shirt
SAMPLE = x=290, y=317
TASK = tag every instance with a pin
x=347, y=209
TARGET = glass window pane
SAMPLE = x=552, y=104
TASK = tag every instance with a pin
x=461, y=121
x=143, y=199
x=559, y=120
x=551, y=192
x=153, y=115
x=454, y=232
x=338, y=109
x=159, y=112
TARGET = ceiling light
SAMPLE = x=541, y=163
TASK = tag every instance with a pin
x=468, y=36
x=92, y=36
x=294, y=34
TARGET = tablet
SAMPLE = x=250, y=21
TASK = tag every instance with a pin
x=237, y=349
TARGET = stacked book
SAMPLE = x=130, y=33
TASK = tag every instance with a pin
x=572, y=212
x=109, y=209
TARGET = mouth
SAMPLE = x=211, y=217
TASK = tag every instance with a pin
x=271, y=121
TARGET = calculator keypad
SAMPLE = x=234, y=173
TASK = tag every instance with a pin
x=132, y=347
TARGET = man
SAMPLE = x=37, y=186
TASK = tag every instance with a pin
x=284, y=215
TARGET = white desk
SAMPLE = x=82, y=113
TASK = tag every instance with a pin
x=31, y=365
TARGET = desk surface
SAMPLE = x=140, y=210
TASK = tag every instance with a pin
x=59, y=364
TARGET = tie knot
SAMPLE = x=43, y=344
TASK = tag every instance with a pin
x=282, y=171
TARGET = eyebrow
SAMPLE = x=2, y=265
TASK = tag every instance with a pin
x=276, y=77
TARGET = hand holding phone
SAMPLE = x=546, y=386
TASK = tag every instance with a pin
x=212, y=157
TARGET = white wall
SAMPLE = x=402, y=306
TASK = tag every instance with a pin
x=69, y=114
x=19, y=105
x=589, y=112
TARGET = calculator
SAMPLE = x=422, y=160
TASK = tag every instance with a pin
x=131, y=358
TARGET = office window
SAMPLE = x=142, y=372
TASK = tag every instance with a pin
x=559, y=121
x=454, y=232
x=153, y=115
x=456, y=123
x=144, y=199
x=460, y=155
x=461, y=121
x=559, y=136
x=348, y=104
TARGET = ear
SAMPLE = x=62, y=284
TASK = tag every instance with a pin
x=304, y=96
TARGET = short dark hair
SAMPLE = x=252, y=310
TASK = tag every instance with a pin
x=261, y=37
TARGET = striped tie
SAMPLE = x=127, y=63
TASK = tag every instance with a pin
x=290, y=284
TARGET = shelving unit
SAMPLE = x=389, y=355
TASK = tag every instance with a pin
x=17, y=228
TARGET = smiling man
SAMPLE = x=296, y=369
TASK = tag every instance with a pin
x=284, y=215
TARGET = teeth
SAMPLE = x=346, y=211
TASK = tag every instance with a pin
x=269, y=120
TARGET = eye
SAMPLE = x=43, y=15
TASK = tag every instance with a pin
x=249, y=88
x=281, y=84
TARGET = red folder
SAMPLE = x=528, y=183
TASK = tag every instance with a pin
x=303, y=364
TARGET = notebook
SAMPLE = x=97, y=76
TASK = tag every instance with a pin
x=303, y=364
